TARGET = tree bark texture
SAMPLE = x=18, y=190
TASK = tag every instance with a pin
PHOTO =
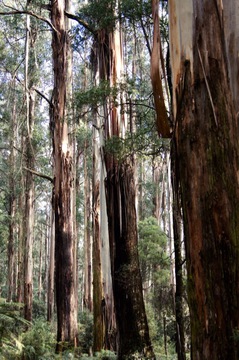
x=29, y=179
x=63, y=188
x=12, y=205
x=51, y=266
x=206, y=140
x=87, y=238
x=162, y=122
x=179, y=293
x=131, y=319
x=132, y=326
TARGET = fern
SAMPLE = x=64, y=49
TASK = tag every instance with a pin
x=11, y=323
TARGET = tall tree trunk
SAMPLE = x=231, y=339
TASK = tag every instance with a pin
x=12, y=205
x=87, y=237
x=98, y=331
x=177, y=220
x=206, y=140
x=104, y=312
x=127, y=283
x=20, y=255
x=40, y=264
x=132, y=326
x=51, y=267
x=63, y=188
x=162, y=122
x=29, y=181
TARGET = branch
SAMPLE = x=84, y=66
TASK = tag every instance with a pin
x=146, y=37
x=27, y=12
x=43, y=96
x=81, y=22
x=39, y=174
x=139, y=104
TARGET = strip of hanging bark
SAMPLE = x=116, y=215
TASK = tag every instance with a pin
x=162, y=122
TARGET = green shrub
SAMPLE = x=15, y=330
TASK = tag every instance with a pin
x=39, y=341
x=85, y=331
x=38, y=309
x=106, y=355
x=11, y=324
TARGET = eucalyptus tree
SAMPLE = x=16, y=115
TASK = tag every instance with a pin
x=30, y=95
x=11, y=98
x=63, y=184
x=205, y=106
x=132, y=327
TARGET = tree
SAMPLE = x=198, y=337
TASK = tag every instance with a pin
x=30, y=68
x=63, y=186
x=206, y=145
x=132, y=326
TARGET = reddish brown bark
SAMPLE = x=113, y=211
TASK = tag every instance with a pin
x=206, y=138
x=63, y=188
x=132, y=327
x=133, y=332
x=162, y=122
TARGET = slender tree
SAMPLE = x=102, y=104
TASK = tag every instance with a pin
x=30, y=68
x=12, y=200
x=63, y=186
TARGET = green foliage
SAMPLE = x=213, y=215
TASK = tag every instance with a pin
x=135, y=10
x=152, y=251
x=38, y=309
x=99, y=14
x=85, y=331
x=96, y=95
x=11, y=323
x=106, y=355
x=39, y=341
x=155, y=269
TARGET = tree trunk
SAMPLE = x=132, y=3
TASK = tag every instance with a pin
x=98, y=331
x=12, y=205
x=177, y=220
x=51, y=267
x=162, y=122
x=131, y=319
x=87, y=238
x=29, y=180
x=132, y=327
x=40, y=264
x=104, y=312
x=206, y=140
x=20, y=255
x=63, y=188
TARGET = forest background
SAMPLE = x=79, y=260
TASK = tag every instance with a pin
x=104, y=156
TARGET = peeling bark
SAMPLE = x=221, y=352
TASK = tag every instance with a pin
x=63, y=188
x=206, y=138
x=162, y=122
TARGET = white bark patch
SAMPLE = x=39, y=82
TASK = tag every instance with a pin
x=64, y=144
x=181, y=40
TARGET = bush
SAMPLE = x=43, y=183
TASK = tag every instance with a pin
x=11, y=324
x=39, y=341
x=85, y=331
x=38, y=309
x=106, y=355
